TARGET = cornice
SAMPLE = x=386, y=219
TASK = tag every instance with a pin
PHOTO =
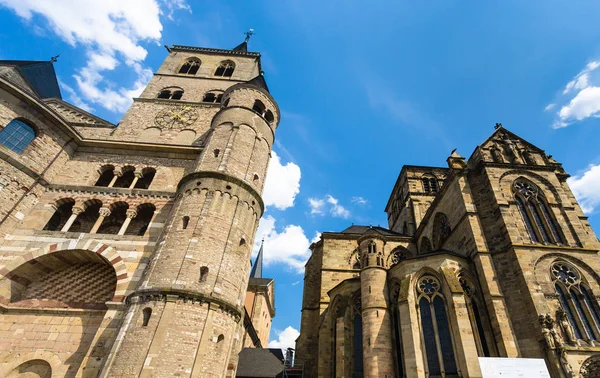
x=205, y=50
x=145, y=193
x=166, y=101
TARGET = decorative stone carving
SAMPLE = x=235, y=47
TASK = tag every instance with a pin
x=496, y=154
x=511, y=148
x=529, y=158
x=565, y=326
x=551, y=335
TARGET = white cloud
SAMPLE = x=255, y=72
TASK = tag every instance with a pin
x=327, y=204
x=285, y=339
x=586, y=188
x=316, y=238
x=283, y=183
x=359, y=200
x=288, y=246
x=75, y=99
x=337, y=210
x=295, y=283
x=580, y=99
x=316, y=206
x=110, y=31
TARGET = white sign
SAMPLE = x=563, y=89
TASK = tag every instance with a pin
x=513, y=367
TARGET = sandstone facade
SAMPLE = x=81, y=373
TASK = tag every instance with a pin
x=490, y=257
x=125, y=250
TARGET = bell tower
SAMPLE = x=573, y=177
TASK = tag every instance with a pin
x=186, y=316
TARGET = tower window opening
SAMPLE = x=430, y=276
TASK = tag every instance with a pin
x=209, y=97
x=213, y=97
x=255, y=178
x=190, y=67
x=171, y=93
x=259, y=107
x=107, y=173
x=185, y=222
x=147, y=313
x=61, y=215
x=220, y=338
x=203, y=274
x=177, y=95
x=146, y=179
x=216, y=152
x=17, y=135
x=225, y=69
x=164, y=94
x=430, y=185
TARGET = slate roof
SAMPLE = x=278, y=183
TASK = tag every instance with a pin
x=256, y=271
x=259, y=281
x=40, y=75
x=259, y=81
x=260, y=362
x=355, y=229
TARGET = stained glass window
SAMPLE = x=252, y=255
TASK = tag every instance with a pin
x=444, y=335
x=17, y=135
x=433, y=362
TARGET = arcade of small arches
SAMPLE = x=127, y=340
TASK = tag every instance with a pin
x=126, y=177
x=93, y=217
x=191, y=66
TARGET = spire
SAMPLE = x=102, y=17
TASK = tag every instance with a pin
x=243, y=47
x=257, y=267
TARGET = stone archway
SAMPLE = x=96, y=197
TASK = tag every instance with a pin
x=590, y=368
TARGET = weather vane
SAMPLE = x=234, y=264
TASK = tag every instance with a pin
x=249, y=34
x=54, y=58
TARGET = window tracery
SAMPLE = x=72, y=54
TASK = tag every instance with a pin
x=539, y=221
x=435, y=328
x=577, y=301
x=441, y=230
x=430, y=184
x=225, y=69
x=190, y=67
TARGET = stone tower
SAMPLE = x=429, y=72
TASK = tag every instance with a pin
x=186, y=314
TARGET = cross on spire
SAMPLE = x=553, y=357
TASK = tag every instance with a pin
x=249, y=34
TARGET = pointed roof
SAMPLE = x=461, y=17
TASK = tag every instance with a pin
x=259, y=82
x=40, y=75
x=258, y=263
x=242, y=47
x=501, y=130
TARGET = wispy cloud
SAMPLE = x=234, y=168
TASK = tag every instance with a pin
x=112, y=33
x=328, y=205
x=580, y=98
x=359, y=201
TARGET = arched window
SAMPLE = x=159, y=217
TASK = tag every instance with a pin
x=539, y=221
x=139, y=224
x=171, y=93
x=213, y=97
x=107, y=173
x=398, y=254
x=477, y=316
x=425, y=245
x=435, y=328
x=203, y=274
x=86, y=220
x=441, y=230
x=430, y=184
x=397, y=334
x=112, y=224
x=357, y=337
x=220, y=338
x=126, y=178
x=269, y=116
x=577, y=302
x=147, y=313
x=17, y=135
x=190, y=67
x=225, y=69
x=61, y=215
x=261, y=109
x=146, y=179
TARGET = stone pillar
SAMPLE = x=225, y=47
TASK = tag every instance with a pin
x=411, y=332
x=130, y=215
x=76, y=212
x=466, y=348
x=114, y=179
x=103, y=213
x=137, y=176
x=378, y=359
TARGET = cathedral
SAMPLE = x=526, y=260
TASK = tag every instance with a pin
x=125, y=249
x=488, y=257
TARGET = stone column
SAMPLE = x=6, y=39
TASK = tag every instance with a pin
x=114, y=179
x=76, y=211
x=137, y=176
x=130, y=215
x=103, y=213
x=466, y=348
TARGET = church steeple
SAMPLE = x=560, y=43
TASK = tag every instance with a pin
x=257, y=267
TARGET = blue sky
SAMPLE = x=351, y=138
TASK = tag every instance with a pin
x=363, y=87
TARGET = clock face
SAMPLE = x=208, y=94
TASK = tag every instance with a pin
x=174, y=118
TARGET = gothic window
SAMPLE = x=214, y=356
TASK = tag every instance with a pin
x=225, y=69
x=107, y=173
x=61, y=215
x=430, y=184
x=435, y=328
x=190, y=67
x=398, y=254
x=213, y=97
x=146, y=179
x=476, y=313
x=539, y=221
x=147, y=313
x=577, y=301
x=425, y=245
x=17, y=135
x=441, y=230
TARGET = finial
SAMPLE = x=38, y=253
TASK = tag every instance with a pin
x=54, y=58
x=498, y=125
x=263, y=241
x=249, y=34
